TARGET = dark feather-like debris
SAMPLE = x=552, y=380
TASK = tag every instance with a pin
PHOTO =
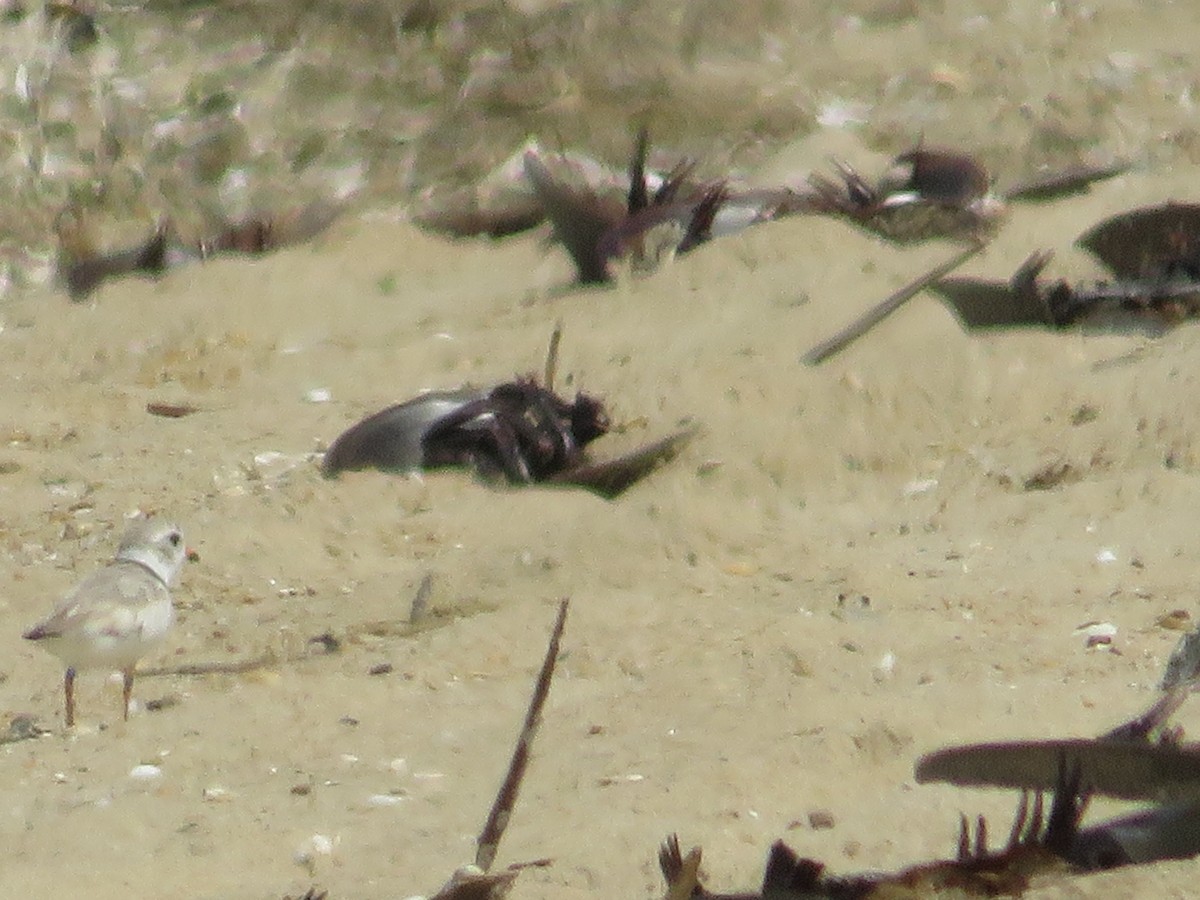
x=470, y=884
x=1149, y=835
x=265, y=233
x=1150, y=242
x=1171, y=831
x=931, y=192
x=519, y=431
x=682, y=875
x=980, y=304
x=1040, y=843
x=927, y=193
x=1142, y=758
x=83, y=274
x=1150, y=304
x=580, y=219
x=82, y=269
x=639, y=193
x=936, y=176
x=1021, y=301
x=1067, y=182
x=700, y=225
x=595, y=230
x=1154, y=254
x=1130, y=771
x=611, y=477
x=461, y=215
x=394, y=439
x=1035, y=846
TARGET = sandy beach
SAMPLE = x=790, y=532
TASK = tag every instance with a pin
x=851, y=565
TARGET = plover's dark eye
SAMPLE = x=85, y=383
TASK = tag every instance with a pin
x=175, y=538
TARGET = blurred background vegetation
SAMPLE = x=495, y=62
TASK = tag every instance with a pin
x=205, y=111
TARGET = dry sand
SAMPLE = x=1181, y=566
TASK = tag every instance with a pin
x=724, y=672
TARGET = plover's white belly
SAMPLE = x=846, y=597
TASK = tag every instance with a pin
x=118, y=640
x=116, y=628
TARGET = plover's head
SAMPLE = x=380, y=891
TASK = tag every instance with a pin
x=156, y=544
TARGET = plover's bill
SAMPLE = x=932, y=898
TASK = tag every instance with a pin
x=116, y=615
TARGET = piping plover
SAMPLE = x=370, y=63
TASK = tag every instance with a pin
x=115, y=615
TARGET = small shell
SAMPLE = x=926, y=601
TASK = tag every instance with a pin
x=313, y=847
x=381, y=800
x=885, y=668
x=1097, y=634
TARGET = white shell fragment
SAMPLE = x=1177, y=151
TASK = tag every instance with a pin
x=382, y=800
x=1097, y=634
x=919, y=486
x=313, y=847
x=885, y=668
x=145, y=772
x=836, y=112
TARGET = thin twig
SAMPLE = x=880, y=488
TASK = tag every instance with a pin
x=551, y=369
x=493, y=830
x=878, y=313
x=221, y=668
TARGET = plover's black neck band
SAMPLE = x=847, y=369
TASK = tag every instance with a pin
x=147, y=567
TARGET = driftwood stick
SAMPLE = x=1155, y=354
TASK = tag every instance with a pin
x=878, y=313
x=497, y=820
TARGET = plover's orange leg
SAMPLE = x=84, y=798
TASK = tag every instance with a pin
x=128, y=693
x=69, y=691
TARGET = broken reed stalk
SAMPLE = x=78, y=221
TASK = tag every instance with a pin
x=493, y=830
x=881, y=311
x=551, y=369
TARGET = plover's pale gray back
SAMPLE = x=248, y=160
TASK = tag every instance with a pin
x=119, y=613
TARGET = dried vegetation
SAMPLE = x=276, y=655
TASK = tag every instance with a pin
x=207, y=112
